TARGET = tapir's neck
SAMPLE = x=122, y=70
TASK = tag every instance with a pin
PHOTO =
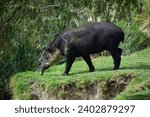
x=56, y=53
x=61, y=43
x=54, y=56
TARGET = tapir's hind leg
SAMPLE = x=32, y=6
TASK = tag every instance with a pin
x=89, y=62
x=116, y=55
x=120, y=51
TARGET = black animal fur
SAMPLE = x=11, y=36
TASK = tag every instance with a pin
x=94, y=38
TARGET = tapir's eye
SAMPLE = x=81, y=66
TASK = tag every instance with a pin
x=47, y=59
x=49, y=49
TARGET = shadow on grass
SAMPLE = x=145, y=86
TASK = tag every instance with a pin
x=85, y=72
x=144, y=67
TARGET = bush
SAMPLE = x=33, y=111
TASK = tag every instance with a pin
x=134, y=38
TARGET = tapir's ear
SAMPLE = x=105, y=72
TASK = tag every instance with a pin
x=49, y=49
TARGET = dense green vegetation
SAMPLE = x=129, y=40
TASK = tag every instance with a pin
x=132, y=80
x=26, y=27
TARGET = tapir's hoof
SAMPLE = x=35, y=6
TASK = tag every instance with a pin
x=92, y=70
x=65, y=74
x=116, y=68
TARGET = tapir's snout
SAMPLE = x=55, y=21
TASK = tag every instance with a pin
x=43, y=67
x=42, y=72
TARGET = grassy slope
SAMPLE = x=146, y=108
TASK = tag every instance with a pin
x=138, y=63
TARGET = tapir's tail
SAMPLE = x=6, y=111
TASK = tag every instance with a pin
x=122, y=37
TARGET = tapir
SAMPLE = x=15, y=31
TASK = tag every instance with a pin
x=83, y=41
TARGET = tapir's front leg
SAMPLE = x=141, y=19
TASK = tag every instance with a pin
x=69, y=63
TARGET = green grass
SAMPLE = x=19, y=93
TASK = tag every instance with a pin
x=54, y=85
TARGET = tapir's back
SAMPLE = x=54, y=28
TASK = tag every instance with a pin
x=103, y=32
x=88, y=31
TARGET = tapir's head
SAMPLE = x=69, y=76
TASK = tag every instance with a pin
x=48, y=58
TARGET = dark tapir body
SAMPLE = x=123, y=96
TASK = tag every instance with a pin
x=84, y=41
